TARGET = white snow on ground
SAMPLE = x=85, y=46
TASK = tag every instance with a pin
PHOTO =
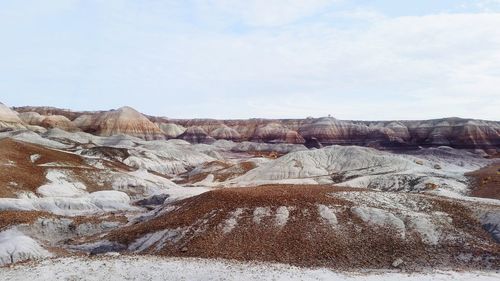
x=15, y=246
x=61, y=186
x=328, y=214
x=151, y=268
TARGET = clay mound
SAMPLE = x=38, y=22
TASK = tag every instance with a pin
x=226, y=133
x=48, y=110
x=49, y=122
x=208, y=125
x=171, y=130
x=196, y=134
x=125, y=120
x=58, y=121
x=315, y=226
x=329, y=130
x=276, y=133
x=9, y=118
x=85, y=122
x=31, y=118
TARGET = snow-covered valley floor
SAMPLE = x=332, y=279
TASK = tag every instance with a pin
x=158, y=268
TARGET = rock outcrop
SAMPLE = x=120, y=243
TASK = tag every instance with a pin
x=195, y=134
x=49, y=122
x=32, y=118
x=276, y=133
x=9, y=119
x=125, y=120
x=225, y=133
x=331, y=131
x=171, y=130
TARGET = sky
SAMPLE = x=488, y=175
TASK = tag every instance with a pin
x=362, y=60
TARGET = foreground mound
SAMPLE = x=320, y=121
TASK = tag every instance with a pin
x=316, y=226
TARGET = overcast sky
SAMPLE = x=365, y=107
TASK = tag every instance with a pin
x=360, y=59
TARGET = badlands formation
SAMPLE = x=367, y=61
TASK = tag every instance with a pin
x=119, y=186
x=312, y=132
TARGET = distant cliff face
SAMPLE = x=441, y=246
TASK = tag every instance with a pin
x=314, y=132
x=455, y=132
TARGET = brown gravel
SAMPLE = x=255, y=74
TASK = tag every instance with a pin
x=306, y=240
x=24, y=175
x=27, y=175
x=224, y=172
x=11, y=218
x=96, y=219
x=485, y=182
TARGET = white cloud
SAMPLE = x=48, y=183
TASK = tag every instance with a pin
x=32, y=10
x=386, y=68
x=419, y=67
x=263, y=13
x=486, y=5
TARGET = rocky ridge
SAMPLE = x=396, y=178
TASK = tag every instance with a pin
x=314, y=132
